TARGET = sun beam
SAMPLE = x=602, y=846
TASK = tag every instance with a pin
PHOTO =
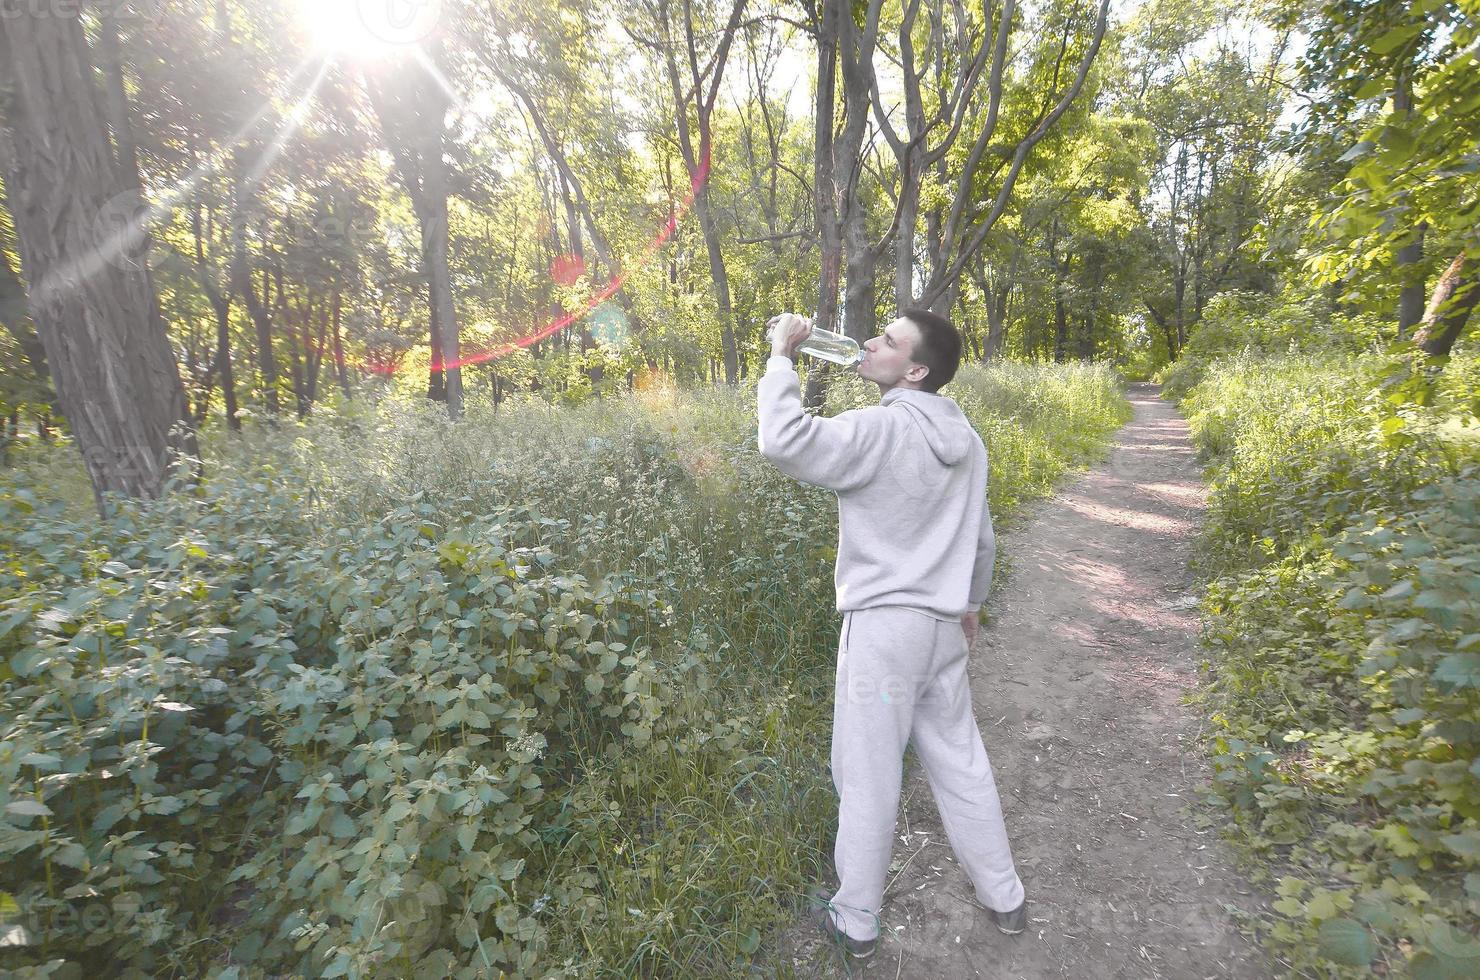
x=368, y=30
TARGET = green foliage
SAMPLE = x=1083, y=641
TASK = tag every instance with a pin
x=544, y=692
x=1260, y=324
x=1343, y=621
x=1401, y=122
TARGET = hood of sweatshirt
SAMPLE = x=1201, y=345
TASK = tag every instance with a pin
x=944, y=425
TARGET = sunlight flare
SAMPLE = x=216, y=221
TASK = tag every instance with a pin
x=367, y=30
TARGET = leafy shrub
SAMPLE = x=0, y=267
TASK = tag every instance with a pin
x=1261, y=325
x=1344, y=631
x=542, y=692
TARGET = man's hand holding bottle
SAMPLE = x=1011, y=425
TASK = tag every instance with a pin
x=787, y=331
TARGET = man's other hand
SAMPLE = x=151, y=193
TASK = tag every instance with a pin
x=970, y=625
x=791, y=330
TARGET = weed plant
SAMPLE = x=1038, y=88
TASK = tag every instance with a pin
x=545, y=692
x=1343, y=623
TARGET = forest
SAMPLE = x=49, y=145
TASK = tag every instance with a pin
x=390, y=582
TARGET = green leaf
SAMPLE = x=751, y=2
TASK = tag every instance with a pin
x=467, y=836
x=14, y=621
x=342, y=826
x=1459, y=670
x=72, y=855
x=1395, y=38
x=1399, y=591
x=28, y=808
x=1436, y=964
x=301, y=821
x=1466, y=844
x=107, y=817
x=338, y=967
x=1345, y=941
x=164, y=805
x=593, y=684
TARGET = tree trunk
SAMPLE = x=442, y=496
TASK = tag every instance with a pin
x=412, y=109
x=1161, y=321
x=339, y=367
x=845, y=48
x=1411, y=299
x=243, y=285
x=222, y=306
x=703, y=89
x=117, y=103
x=434, y=242
x=1060, y=329
x=904, y=242
x=827, y=27
x=114, y=370
x=1449, y=309
x=297, y=377
x=964, y=232
x=1410, y=256
x=17, y=321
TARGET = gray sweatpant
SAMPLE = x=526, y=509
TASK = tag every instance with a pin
x=901, y=678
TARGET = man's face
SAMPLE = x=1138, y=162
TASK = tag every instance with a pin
x=890, y=363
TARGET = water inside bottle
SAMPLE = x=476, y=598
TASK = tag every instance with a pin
x=829, y=346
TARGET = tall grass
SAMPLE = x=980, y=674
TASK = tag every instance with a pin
x=334, y=563
x=1341, y=547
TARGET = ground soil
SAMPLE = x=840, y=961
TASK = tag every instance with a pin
x=1078, y=683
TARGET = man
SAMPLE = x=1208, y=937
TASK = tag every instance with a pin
x=915, y=552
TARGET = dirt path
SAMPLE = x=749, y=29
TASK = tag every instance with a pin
x=1076, y=681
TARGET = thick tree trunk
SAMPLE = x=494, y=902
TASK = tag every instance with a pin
x=1454, y=298
x=113, y=367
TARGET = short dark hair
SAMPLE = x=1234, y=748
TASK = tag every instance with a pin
x=939, y=348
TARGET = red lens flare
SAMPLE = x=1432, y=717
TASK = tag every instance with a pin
x=598, y=296
x=567, y=269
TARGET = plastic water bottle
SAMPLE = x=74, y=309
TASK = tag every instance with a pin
x=824, y=344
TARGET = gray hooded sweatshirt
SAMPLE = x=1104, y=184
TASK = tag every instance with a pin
x=911, y=478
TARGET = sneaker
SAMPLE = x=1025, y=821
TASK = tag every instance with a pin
x=1011, y=923
x=858, y=949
